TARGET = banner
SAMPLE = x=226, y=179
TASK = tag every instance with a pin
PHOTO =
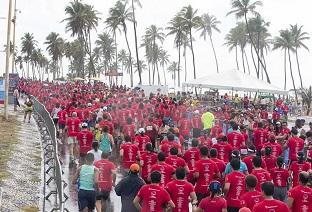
x=1, y=91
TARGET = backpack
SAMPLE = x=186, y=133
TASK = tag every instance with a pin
x=105, y=145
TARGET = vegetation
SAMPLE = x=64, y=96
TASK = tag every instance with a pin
x=250, y=39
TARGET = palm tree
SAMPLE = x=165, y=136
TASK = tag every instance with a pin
x=190, y=21
x=299, y=38
x=81, y=20
x=173, y=68
x=207, y=25
x=176, y=28
x=163, y=61
x=19, y=62
x=148, y=55
x=241, y=8
x=307, y=98
x=231, y=41
x=122, y=58
x=120, y=13
x=285, y=41
x=28, y=46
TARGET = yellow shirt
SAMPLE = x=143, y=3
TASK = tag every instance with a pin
x=207, y=120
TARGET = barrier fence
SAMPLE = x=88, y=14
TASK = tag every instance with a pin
x=53, y=161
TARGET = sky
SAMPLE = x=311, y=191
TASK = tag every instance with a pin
x=41, y=17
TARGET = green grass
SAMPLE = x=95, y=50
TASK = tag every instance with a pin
x=8, y=131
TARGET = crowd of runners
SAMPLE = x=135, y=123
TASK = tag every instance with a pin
x=177, y=154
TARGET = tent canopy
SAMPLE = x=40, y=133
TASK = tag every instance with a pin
x=234, y=80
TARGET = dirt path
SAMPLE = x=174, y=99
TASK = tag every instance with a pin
x=21, y=170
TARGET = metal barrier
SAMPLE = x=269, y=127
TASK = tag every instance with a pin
x=51, y=150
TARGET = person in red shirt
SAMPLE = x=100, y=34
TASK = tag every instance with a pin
x=234, y=186
x=295, y=145
x=109, y=124
x=214, y=202
x=180, y=191
x=298, y=166
x=224, y=149
x=192, y=155
x=166, y=145
x=216, y=129
x=62, y=114
x=176, y=161
x=270, y=160
x=72, y=125
x=166, y=170
x=153, y=196
x=213, y=154
x=248, y=160
x=205, y=171
x=276, y=116
x=196, y=124
x=142, y=139
x=107, y=179
x=269, y=204
x=185, y=126
x=260, y=136
x=300, y=197
x=276, y=148
x=151, y=130
x=129, y=129
x=261, y=174
x=252, y=196
x=280, y=177
x=85, y=139
x=147, y=160
x=128, y=153
x=235, y=138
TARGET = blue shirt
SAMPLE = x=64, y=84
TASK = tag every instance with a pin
x=243, y=168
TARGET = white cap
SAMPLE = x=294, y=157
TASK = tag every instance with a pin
x=89, y=104
x=141, y=130
x=196, y=111
x=84, y=124
x=104, y=108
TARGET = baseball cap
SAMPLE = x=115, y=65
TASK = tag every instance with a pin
x=104, y=108
x=84, y=124
x=141, y=130
x=134, y=168
x=215, y=186
x=89, y=104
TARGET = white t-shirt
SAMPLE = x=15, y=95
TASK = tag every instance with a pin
x=97, y=155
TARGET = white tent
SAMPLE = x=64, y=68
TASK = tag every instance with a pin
x=233, y=80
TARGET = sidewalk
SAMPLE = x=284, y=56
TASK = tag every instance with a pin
x=21, y=165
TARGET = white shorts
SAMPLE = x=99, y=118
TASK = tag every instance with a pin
x=72, y=140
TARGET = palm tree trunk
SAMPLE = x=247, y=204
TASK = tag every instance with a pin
x=153, y=73
x=254, y=46
x=258, y=44
x=247, y=62
x=214, y=53
x=285, y=70
x=292, y=76
x=136, y=44
x=149, y=74
x=115, y=39
x=164, y=75
x=185, y=65
x=158, y=75
x=193, y=55
x=254, y=62
x=298, y=65
x=236, y=58
x=130, y=57
x=179, y=61
x=243, y=60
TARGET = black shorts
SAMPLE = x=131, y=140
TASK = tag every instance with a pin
x=61, y=126
x=102, y=195
x=86, y=199
x=55, y=120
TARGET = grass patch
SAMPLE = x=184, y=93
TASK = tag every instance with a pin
x=30, y=209
x=8, y=131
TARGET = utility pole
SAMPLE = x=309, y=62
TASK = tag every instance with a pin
x=7, y=63
x=14, y=25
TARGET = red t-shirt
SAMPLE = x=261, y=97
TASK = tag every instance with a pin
x=207, y=170
x=109, y=124
x=262, y=175
x=295, y=145
x=167, y=145
x=130, y=152
x=215, y=131
x=179, y=191
x=166, y=171
x=142, y=141
x=270, y=205
x=221, y=166
x=175, y=161
x=105, y=174
x=192, y=155
x=148, y=159
x=248, y=161
x=73, y=126
x=85, y=139
x=235, y=139
x=185, y=127
x=197, y=123
x=62, y=114
x=224, y=150
x=296, y=168
x=270, y=162
x=250, y=199
x=154, y=197
x=302, y=196
x=276, y=148
x=129, y=130
x=237, y=188
x=215, y=205
x=279, y=176
x=260, y=136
